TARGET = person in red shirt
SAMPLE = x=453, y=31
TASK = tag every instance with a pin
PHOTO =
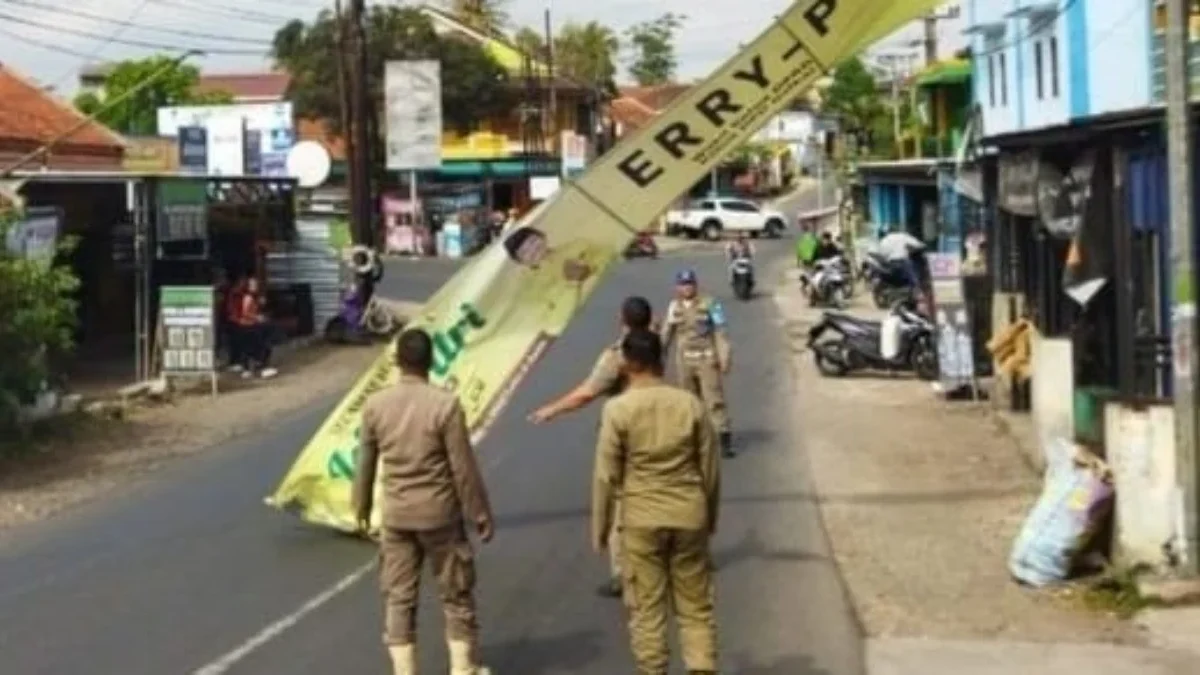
x=254, y=332
x=231, y=308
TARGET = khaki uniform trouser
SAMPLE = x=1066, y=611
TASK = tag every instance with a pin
x=670, y=568
x=702, y=377
x=402, y=556
x=614, y=542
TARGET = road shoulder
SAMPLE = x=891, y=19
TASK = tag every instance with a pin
x=921, y=499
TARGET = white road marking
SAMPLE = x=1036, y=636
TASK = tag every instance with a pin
x=231, y=658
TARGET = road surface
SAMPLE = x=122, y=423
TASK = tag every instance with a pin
x=189, y=573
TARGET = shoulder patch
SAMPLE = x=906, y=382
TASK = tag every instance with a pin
x=717, y=312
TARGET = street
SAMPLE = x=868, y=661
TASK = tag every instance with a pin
x=190, y=573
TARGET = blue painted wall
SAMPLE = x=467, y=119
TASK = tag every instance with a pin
x=1097, y=51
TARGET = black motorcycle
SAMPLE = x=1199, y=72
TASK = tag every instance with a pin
x=828, y=283
x=857, y=344
x=741, y=277
x=890, y=283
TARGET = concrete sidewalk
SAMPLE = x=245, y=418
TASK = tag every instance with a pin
x=921, y=499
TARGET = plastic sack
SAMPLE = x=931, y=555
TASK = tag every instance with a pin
x=889, y=336
x=1077, y=495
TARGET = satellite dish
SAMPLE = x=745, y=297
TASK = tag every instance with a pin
x=309, y=163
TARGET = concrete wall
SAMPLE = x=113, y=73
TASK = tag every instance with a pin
x=1140, y=445
x=1053, y=388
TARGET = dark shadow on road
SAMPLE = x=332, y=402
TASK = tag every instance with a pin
x=752, y=547
x=878, y=499
x=788, y=665
x=544, y=655
x=751, y=439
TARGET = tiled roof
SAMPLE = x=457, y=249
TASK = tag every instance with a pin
x=28, y=113
x=630, y=113
x=246, y=85
x=656, y=97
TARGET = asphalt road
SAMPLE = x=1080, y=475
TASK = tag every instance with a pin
x=190, y=574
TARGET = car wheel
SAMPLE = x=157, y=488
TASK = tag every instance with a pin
x=711, y=230
x=774, y=228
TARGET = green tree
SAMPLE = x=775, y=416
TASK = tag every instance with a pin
x=853, y=96
x=138, y=115
x=474, y=86
x=588, y=53
x=652, y=43
x=531, y=42
x=37, y=320
x=490, y=16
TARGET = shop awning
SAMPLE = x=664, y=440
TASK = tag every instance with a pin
x=944, y=73
x=499, y=168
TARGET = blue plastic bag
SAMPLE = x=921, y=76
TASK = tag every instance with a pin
x=1075, y=498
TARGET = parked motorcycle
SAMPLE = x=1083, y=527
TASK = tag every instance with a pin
x=357, y=324
x=904, y=341
x=642, y=246
x=828, y=282
x=741, y=277
x=888, y=280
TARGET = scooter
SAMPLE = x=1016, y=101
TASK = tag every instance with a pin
x=891, y=285
x=357, y=324
x=642, y=246
x=828, y=284
x=741, y=277
x=902, y=342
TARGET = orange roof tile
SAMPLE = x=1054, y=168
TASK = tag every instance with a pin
x=28, y=113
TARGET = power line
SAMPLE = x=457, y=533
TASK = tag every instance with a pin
x=225, y=12
x=129, y=23
x=157, y=46
x=59, y=49
x=100, y=46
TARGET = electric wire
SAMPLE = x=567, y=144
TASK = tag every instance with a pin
x=130, y=23
x=145, y=44
x=58, y=49
x=226, y=12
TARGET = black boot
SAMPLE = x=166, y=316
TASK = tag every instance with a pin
x=727, y=445
x=610, y=589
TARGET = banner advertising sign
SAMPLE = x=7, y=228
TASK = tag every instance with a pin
x=498, y=315
x=413, y=98
x=35, y=235
x=274, y=123
x=193, y=149
x=188, y=331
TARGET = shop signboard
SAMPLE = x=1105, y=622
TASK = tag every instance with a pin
x=187, y=331
x=181, y=222
x=193, y=149
x=413, y=108
x=274, y=123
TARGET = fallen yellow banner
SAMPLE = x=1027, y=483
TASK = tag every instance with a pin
x=495, y=318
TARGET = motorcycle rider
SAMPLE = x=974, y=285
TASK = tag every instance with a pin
x=368, y=270
x=739, y=248
x=827, y=248
x=903, y=250
x=703, y=356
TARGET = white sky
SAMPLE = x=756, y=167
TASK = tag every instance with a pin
x=709, y=36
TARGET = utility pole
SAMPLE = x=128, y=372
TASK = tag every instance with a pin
x=341, y=42
x=358, y=150
x=551, y=82
x=1183, y=310
x=930, y=23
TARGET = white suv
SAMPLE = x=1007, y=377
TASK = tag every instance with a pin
x=711, y=218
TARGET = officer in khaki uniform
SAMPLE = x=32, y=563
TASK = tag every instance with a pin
x=657, y=454
x=702, y=356
x=606, y=379
x=416, y=434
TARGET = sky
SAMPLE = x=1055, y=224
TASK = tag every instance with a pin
x=54, y=51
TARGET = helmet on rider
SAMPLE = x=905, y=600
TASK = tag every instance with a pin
x=685, y=283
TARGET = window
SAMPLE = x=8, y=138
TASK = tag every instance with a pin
x=1038, y=67
x=702, y=206
x=1053, y=45
x=742, y=207
x=1003, y=79
x=991, y=81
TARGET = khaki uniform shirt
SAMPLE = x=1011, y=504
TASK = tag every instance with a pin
x=606, y=377
x=699, y=326
x=657, y=449
x=416, y=434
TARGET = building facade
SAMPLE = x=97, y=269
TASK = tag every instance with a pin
x=1068, y=95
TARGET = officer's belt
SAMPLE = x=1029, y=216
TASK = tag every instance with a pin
x=698, y=353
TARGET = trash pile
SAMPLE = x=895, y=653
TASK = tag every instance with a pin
x=1077, y=496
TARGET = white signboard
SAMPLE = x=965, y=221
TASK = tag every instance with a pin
x=225, y=147
x=36, y=235
x=413, y=96
x=274, y=122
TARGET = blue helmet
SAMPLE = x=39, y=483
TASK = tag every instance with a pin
x=685, y=276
